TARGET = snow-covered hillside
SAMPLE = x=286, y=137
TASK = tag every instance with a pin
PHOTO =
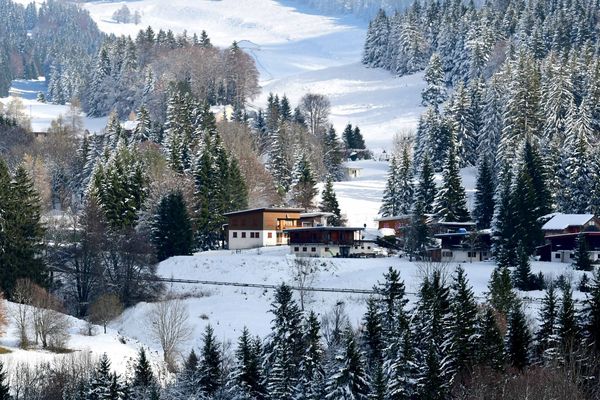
x=122, y=350
x=297, y=51
x=228, y=309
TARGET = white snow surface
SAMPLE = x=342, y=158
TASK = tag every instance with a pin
x=297, y=50
x=121, y=350
x=563, y=221
x=229, y=309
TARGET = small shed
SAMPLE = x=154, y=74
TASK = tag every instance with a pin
x=353, y=172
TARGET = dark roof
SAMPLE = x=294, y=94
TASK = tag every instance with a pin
x=266, y=209
x=565, y=235
x=324, y=228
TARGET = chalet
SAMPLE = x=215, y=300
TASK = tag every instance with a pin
x=329, y=241
x=562, y=247
x=569, y=223
x=259, y=227
x=313, y=219
x=464, y=246
x=398, y=223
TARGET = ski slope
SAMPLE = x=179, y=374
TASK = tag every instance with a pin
x=297, y=51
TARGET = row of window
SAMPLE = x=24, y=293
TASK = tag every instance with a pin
x=253, y=235
x=571, y=255
x=305, y=249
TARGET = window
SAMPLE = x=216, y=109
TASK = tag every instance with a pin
x=304, y=249
x=270, y=235
x=243, y=235
x=313, y=249
x=447, y=254
x=296, y=249
x=235, y=234
x=252, y=235
x=369, y=248
x=327, y=249
x=571, y=255
x=557, y=255
x=257, y=235
x=471, y=254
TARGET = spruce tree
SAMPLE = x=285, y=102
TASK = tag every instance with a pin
x=451, y=203
x=349, y=380
x=490, y=343
x=210, y=368
x=591, y=314
x=435, y=92
x=247, y=378
x=522, y=277
x=518, y=338
x=459, y=345
x=4, y=389
x=501, y=295
x=172, y=228
x=390, y=202
x=547, y=334
x=426, y=188
x=483, y=212
x=304, y=184
x=568, y=327
x=312, y=375
x=333, y=157
x=330, y=204
x=582, y=255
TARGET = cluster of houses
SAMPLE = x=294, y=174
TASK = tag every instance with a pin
x=308, y=235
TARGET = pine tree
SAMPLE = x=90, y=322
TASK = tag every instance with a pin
x=505, y=221
x=582, y=256
x=312, y=375
x=405, y=184
x=247, y=379
x=304, y=184
x=330, y=204
x=501, y=295
x=286, y=345
x=461, y=120
x=210, y=365
x=459, y=344
x=522, y=277
x=451, y=203
x=172, y=227
x=547, y=333
x=568, y=328
x=435, y=92
x=333, y=155
x=518, y=338
x=144, y=385
x=4, y=389
x=349, y=380
x=490, y=343
x=483, y=212
x=591, y=314
x=238, y=190
x=390, y=201
x=426, y=189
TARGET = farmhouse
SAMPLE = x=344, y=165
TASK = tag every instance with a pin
x=258, y=227
x=562, y=247
x=329, y=241
x=464, y=246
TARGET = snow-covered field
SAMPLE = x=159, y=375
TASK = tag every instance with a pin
x=122, y=350
x=228, y=309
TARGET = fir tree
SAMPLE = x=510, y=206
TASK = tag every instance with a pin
x=568, y=328
x=426, y=189
x=522, y=277
x=312, y=374
x=547, y=333
x=582, y=255
x=172, y=227
x=490, y=343
x=4, y=389
x=247, y=372
x=330, y=204
x=349, y=380
x=304, y=184
x=210, y=366
x=483, y=212
x=435, y=92
x=501, y=295
x=451, y=203
x=591, y=314
x=389, y=206
x=518, y=338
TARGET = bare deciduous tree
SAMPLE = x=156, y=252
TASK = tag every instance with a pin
x=3, y=316
x=304, y=273
x=169, y=325
x=21, y=311
x=315, y=108
x=105, y=309
x=333, y=324
x=50, y=325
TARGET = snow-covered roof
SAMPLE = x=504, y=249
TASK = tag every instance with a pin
x=563, y=221
x=315, y=214
x=129, y=125
x=394, y=217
